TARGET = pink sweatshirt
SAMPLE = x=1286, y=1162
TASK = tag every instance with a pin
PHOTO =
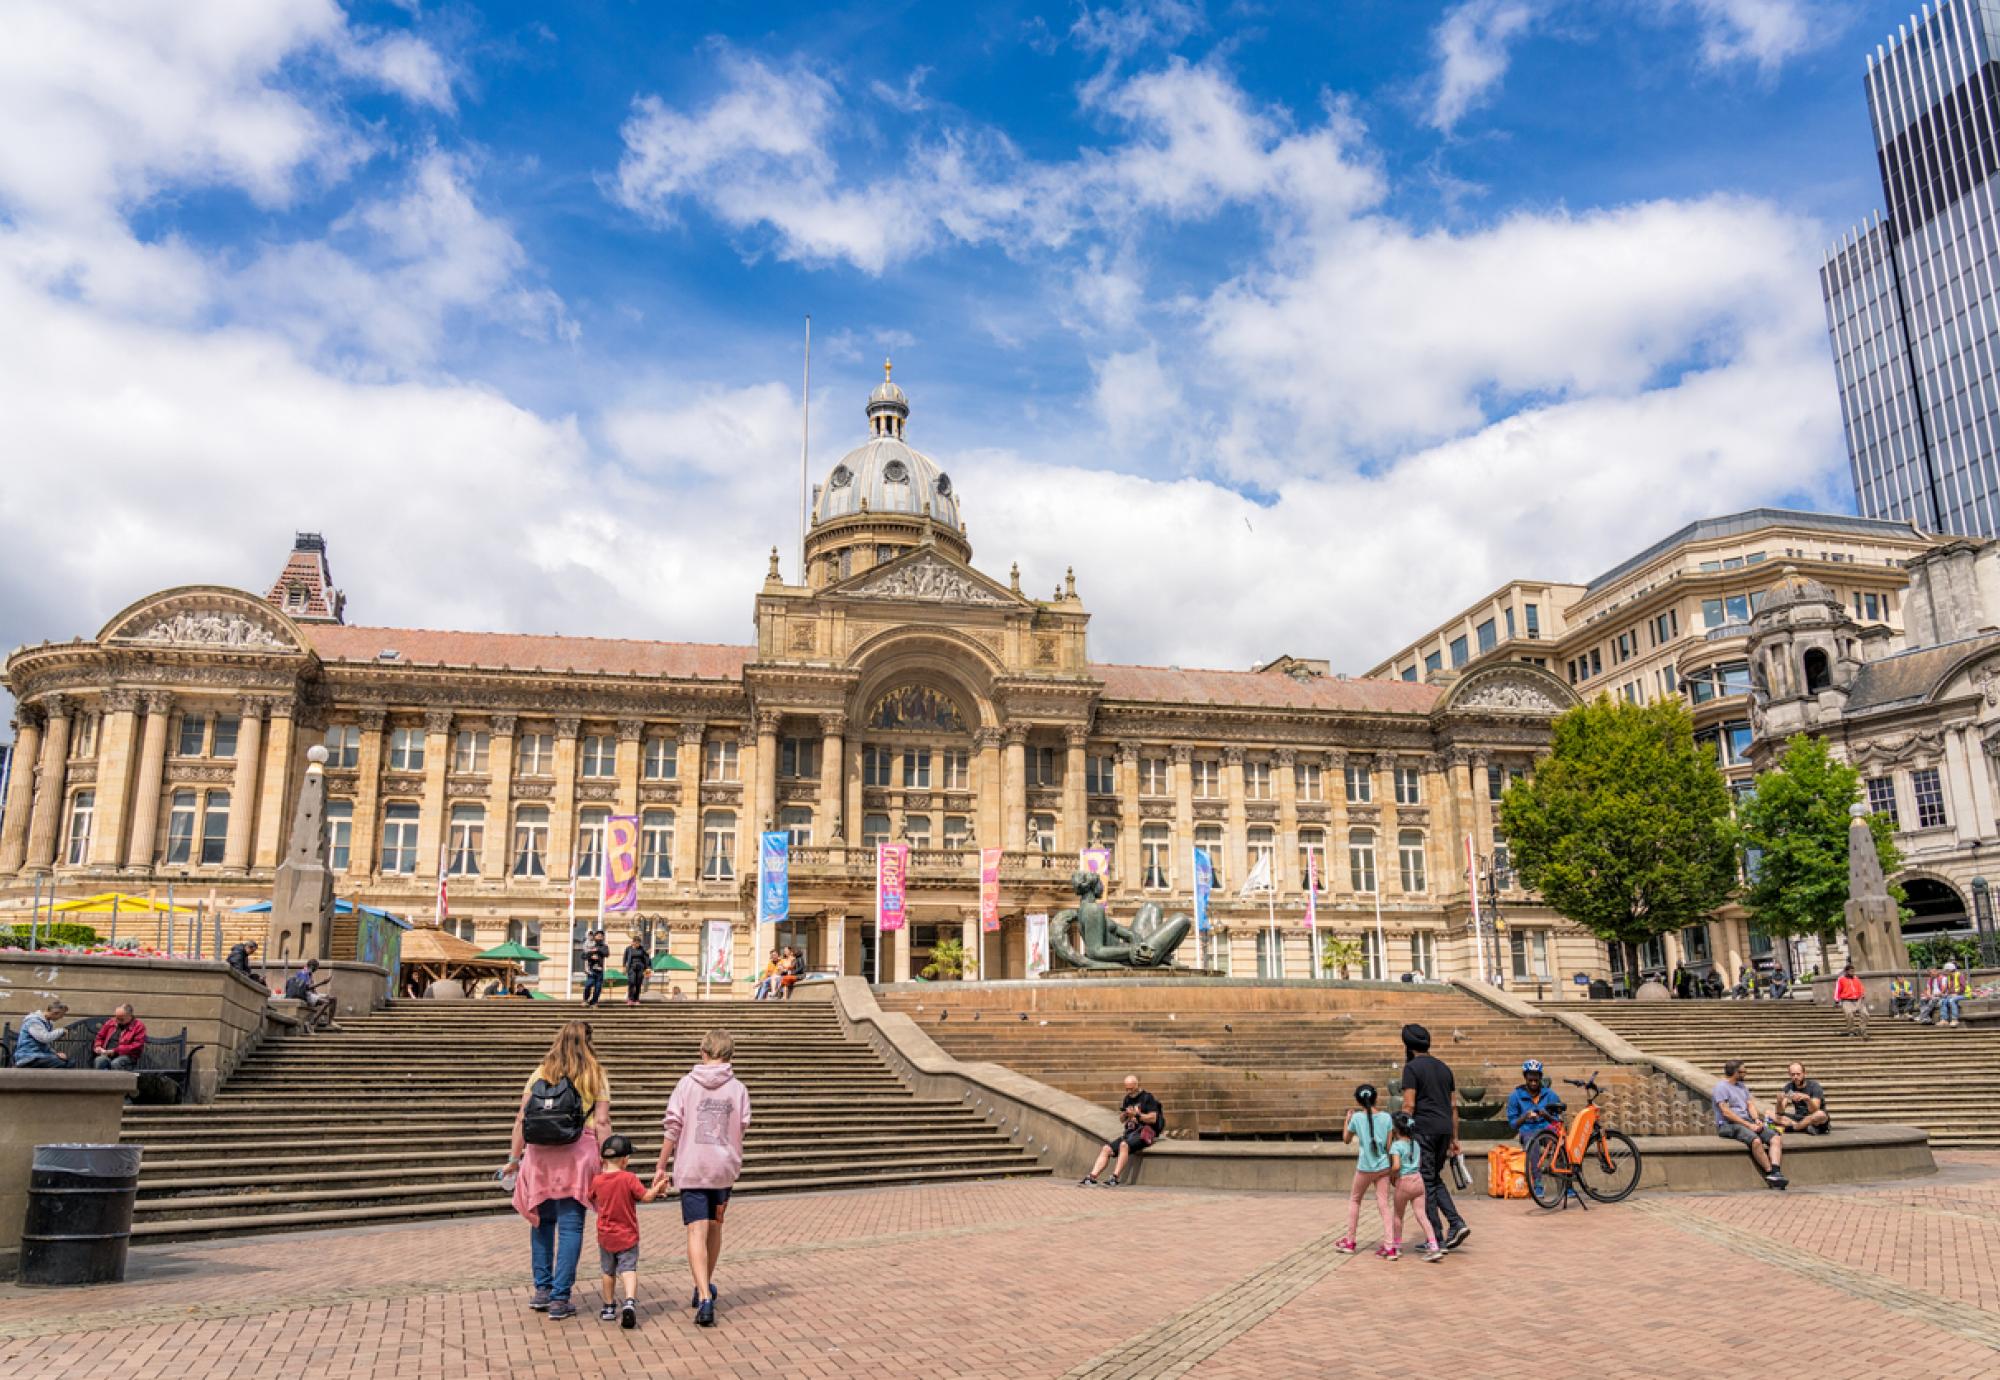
x=705, y=1120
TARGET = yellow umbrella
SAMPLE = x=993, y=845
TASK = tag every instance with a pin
x=103, y=903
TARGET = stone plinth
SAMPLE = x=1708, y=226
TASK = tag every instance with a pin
x=49, y=1107
x=1143, y=974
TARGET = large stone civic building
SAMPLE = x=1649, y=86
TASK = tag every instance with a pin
x=897, y=693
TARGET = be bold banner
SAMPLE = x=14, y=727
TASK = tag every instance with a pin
x=892, y=875
x=1312, y=890
x=621, y=864
x=1038, y=945
x=774, y=877
x=1204, y=882
x=989, y=890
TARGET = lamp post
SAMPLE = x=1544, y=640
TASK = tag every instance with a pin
x=1982, y=919
x=1493, y=877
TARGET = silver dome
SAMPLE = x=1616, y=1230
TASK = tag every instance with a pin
x=893, y=477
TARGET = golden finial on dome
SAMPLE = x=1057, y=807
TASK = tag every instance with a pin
x=885, y=368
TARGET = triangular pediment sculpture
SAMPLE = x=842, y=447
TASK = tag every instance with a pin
x=927, y=577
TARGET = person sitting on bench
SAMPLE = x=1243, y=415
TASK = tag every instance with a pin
x=120, y=1041
x=301, y=987
x=1802, y=1104
x=35, y=1046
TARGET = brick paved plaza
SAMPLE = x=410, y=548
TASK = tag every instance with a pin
x=1042, y=1279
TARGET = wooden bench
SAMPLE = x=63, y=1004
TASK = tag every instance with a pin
x=168, y=1058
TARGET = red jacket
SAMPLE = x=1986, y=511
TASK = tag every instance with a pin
x=1847, y=989
x=121, y=1041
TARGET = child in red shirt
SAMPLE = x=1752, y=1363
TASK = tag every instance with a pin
x=615, y=1194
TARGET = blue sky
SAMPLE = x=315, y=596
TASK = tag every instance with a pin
x=1290, y=327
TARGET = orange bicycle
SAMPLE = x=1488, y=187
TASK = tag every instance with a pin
x=1585, y=1155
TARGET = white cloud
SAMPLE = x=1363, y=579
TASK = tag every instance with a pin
x=1763, y=32
x=1471, y=43
x=909, y=97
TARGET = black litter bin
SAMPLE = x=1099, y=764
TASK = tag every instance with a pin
x=1600, y=990
x=79, y=1222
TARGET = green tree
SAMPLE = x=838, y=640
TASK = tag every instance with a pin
x=949, y=961
x=1626, y=827
x=1338, y=953
x=1793, y=831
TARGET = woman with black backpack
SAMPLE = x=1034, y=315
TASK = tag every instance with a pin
x=565, y=1115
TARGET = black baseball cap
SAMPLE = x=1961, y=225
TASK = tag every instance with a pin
x=616, y=1148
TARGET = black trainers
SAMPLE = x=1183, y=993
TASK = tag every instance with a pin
x=1111, y=1182
x=1457, y=1237
x=539, y=1300
x=628, y=1316
x=560, y=1309
x=608, y=1313
x=1087, y=1181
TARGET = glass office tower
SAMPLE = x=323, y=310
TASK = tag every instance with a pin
x=1913, y=298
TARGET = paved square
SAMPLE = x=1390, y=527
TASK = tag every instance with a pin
x=1037, y=1278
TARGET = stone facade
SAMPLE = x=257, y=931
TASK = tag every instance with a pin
x=897, y=693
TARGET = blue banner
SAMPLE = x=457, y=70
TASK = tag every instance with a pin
x=1204, y=882
x=774, y=878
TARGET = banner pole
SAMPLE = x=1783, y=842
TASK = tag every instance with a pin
x=1381, y=942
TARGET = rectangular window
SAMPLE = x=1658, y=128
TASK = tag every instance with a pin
x=180, y=827
x=1206, y=774
x=797, y=823
x=1882, y=797
x=531, y=841
x=1671, y=678
x=1409, y=785
x=1042, y=769
x=1262, y=844
x=916, y=769
x=339, y=833
x=917, y=831
x=526, y=933
x=82, y=810
x=1736, y=744
x=1410, y=855
x=661, y=760
x=83, y=736
x=470, y=751
x=1433, y=661
x=1360, y=785
x=535, y=754
x=1155, y=776
x=1153, y=856
x=194, y=735
x=1361, y=859
x=598, y=757
x=215, y=827
x=956, y=827
x=1371, y=957
x=466, y=841
x=343, y=745
x=955, y=765
x=406, y=749
x=1711, y=613
x=1041, y=832
x=1529, y=952
x=1737, y=607
x=1423, y=954
x=1533, y=617
x=718, y=763
x=1208, y=838
x=1410, y=672
x=1100, y=775
x=798, y=758
x=1270, y=953
x=718, y=846
x=1503, y=860
x=877, y=765
x=1496, y=782
x=1487, y=635
x=1459, y=653
x=1596, y=661
x=1694, y=943
x=1509, y=612
x=1928, y=789
x=399, y=837
x=1312, y=858
x=1256, y=780
x=656, y=845
x=590, y=827
x=1310, y=783
x=874, y=830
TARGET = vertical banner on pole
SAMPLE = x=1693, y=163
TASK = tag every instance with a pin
x=621, y=865
x=1313, y=964
x=719, y=963
x=774, y=877
x=1098, y=861
x=1204, y=883
x=989, y=890
x=1038, y=945
x=892, y=870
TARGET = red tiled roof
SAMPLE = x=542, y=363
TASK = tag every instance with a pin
x=303, y=570
x=527, y=652
x=1265, y=690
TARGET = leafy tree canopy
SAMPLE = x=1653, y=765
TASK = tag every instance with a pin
x=1793, y=831
x=1625, y=828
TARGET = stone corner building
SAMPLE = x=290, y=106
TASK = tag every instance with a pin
x=898, y=693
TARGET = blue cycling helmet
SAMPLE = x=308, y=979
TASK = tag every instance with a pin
x=1531, y=1066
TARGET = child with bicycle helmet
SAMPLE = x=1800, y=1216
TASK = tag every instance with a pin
x=1368, y=1130
x=1406, y=1170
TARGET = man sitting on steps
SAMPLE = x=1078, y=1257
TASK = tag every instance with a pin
x=1802, y=1104
x=1144, y=1121
x=1737, y=1118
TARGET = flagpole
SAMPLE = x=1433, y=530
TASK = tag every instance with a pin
x=1194, y=882
x=805, y=440
x=569, y=967
x=1381, y=940
x=1271, y=912
x=1472, y=891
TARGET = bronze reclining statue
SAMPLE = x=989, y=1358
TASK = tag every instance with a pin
x=1150, y=943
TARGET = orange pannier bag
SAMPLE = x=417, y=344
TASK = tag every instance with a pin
x=1507, y=1172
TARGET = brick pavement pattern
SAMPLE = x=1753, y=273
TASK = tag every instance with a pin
x=1039, y=1279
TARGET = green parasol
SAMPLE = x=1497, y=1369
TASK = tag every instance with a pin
x=667, y=963
x=521, y=953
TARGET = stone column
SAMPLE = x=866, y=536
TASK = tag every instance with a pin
x=899, y=953
x=851, y=786
x=1333, y=778
x=1180, y=858
x=46, y=822
x=765, y=806
x=968, y=937
x=687, y=826
x=1129, y=818
x=21, y=792
x=1075, y=804
x=630, y=733
x=1284, y=765
x=1236, y=828
x=498, y=860
x=562, y=801
x=832, y=931
x=115, y=743
x=746, y=824
x=1014, y=799
x=367, y=793
x=992, y=790
x=1482, y=804
x=830, y=827
x=243, y=786
x=431, y=821
x=280, y=751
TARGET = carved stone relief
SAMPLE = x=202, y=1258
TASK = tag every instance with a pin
x=927, y=578
x=227, y=628
x=1511, y=692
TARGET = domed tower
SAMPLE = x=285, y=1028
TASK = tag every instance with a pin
x=882, y=499
x=1804, y=653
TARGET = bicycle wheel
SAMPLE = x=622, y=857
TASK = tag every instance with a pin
x=1548, y=1170
x=1610, y=1168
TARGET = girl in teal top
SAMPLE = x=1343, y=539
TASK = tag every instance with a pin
x=1369, y=1131
x=1406, y=1158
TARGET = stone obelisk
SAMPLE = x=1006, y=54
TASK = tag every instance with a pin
x=302, y=894
x=1874, y=929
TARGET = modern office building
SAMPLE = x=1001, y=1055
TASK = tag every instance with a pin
x=1910, y=297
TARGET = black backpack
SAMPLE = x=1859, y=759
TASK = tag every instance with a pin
x=554, y=1115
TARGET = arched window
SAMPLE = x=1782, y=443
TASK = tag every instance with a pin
x=1819, y=673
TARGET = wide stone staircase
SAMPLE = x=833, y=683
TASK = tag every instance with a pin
x=1253, y=1061
x=406, y=1115
x=1944, y=1080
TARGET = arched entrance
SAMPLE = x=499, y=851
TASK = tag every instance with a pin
x=1935, y=908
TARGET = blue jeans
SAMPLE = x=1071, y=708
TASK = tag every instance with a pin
x=557, y=1238
x=41, y=1061
x=1948, y=1008
x=593, y=988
